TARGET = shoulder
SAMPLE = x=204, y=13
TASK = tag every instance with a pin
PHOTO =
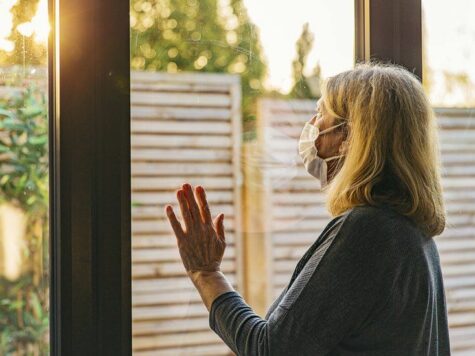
x=369, y=225
x=362, y=213
x=375, y=218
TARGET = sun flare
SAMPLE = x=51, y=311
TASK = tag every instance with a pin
x=38, y=26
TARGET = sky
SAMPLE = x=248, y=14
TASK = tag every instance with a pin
x=280, y=23
x=450, y=37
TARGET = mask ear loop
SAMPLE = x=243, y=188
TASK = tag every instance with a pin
x=328, y=130
x=332, y=128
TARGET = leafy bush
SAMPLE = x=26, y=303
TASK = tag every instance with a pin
x=24, y=305
x=24, y=319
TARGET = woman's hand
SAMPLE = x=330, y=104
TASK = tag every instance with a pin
x=202, y=243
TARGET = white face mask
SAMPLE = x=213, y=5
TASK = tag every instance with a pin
x=314, y=164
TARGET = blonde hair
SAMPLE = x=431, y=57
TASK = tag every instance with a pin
x=393, y=154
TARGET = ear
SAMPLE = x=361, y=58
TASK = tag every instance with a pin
x=343, y=147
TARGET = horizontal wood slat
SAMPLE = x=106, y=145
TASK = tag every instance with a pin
x=165, y=197
x=207, y=350
x=180, y=141
x=180, y=113
x=167, y=284
x=179, y=99
x=209, y=79
x=180, y=127
x=165, y=240
x=163, y=254
x=146, y=212
x=181, y=155
x=168, y=326
x=156, y=226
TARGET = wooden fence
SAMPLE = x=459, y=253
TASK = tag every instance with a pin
x=185, y=128
x=293, y=211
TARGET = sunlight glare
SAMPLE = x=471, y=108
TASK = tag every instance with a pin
x=6, y=24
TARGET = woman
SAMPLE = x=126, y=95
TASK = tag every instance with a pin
x=371, y=284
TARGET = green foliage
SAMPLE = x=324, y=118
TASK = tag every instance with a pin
x=24, y=151
x=24, y=320
x=24, y=183
x=304, y=87
x=205, y=36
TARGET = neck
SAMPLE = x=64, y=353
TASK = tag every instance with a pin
x=332, y=168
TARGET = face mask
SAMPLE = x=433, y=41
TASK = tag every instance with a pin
x=314, y=164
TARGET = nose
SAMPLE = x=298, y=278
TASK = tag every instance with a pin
x=317, y=120
x=313, y=119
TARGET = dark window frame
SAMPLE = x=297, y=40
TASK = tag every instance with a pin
x=389, y=31
x=89, y=91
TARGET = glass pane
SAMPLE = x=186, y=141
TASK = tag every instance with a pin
x=448, y=38
x=24, y=239
x=449, y=76
x=220, y=91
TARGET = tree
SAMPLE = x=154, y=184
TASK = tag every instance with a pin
x=204, y=36
x=28, y=20
x=302, y=89
x=256, y=68
x=314, y=81
x=24, y=300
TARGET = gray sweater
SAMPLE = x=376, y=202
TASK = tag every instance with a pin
x=371, y=284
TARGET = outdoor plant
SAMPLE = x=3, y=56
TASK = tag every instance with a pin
x=24, y=184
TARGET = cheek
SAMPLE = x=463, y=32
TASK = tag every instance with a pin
x=330, y=145
x=324, y=144
x=339, y=138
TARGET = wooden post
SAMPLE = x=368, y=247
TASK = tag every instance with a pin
x=236, y=121
x=257, y=210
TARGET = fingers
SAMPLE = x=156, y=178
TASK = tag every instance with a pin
x=204, y=208
x=190, y=197
x=192, y=211
x=219, y=226
x=185, y=210
x=176, y=226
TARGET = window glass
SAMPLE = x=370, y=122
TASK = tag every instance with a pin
x=24, y=237
x=220, y=91
x=449, y=79
x=448, y=54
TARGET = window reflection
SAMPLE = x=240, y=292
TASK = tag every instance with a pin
x=448, y=37
x=449, y=78
x=24, y=239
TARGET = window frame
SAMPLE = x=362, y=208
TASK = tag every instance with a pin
x=89, y=130
x=389, y=31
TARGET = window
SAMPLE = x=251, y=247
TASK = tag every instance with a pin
x=24, y=178
x=449, y=78
x=220, y=91
x=199, y=99
x=448, y=36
